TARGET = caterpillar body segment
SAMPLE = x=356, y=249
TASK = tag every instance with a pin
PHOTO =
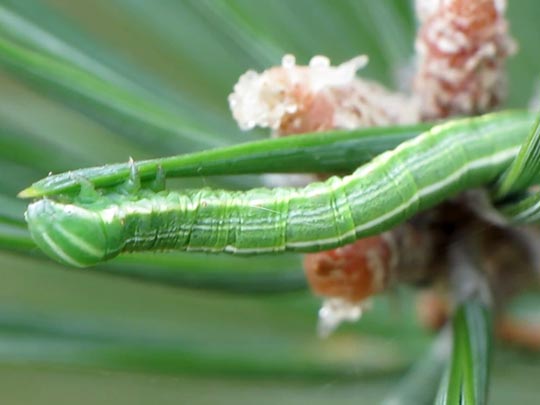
x=416, y=175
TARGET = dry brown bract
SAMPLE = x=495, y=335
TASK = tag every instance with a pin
x=461, y=48
x=292, y=99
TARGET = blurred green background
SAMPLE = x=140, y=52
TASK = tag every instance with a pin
x=86, y=83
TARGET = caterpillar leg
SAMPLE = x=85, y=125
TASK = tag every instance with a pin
x=133, y=182
x=88, y=192
x=160, y=182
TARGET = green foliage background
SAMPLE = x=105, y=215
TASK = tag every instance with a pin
x=86, y=83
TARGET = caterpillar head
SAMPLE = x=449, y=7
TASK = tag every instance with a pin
x=67, y=233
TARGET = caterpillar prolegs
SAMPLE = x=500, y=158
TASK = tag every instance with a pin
x=416, y=175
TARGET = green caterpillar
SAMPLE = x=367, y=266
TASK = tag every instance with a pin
x=418, y=174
